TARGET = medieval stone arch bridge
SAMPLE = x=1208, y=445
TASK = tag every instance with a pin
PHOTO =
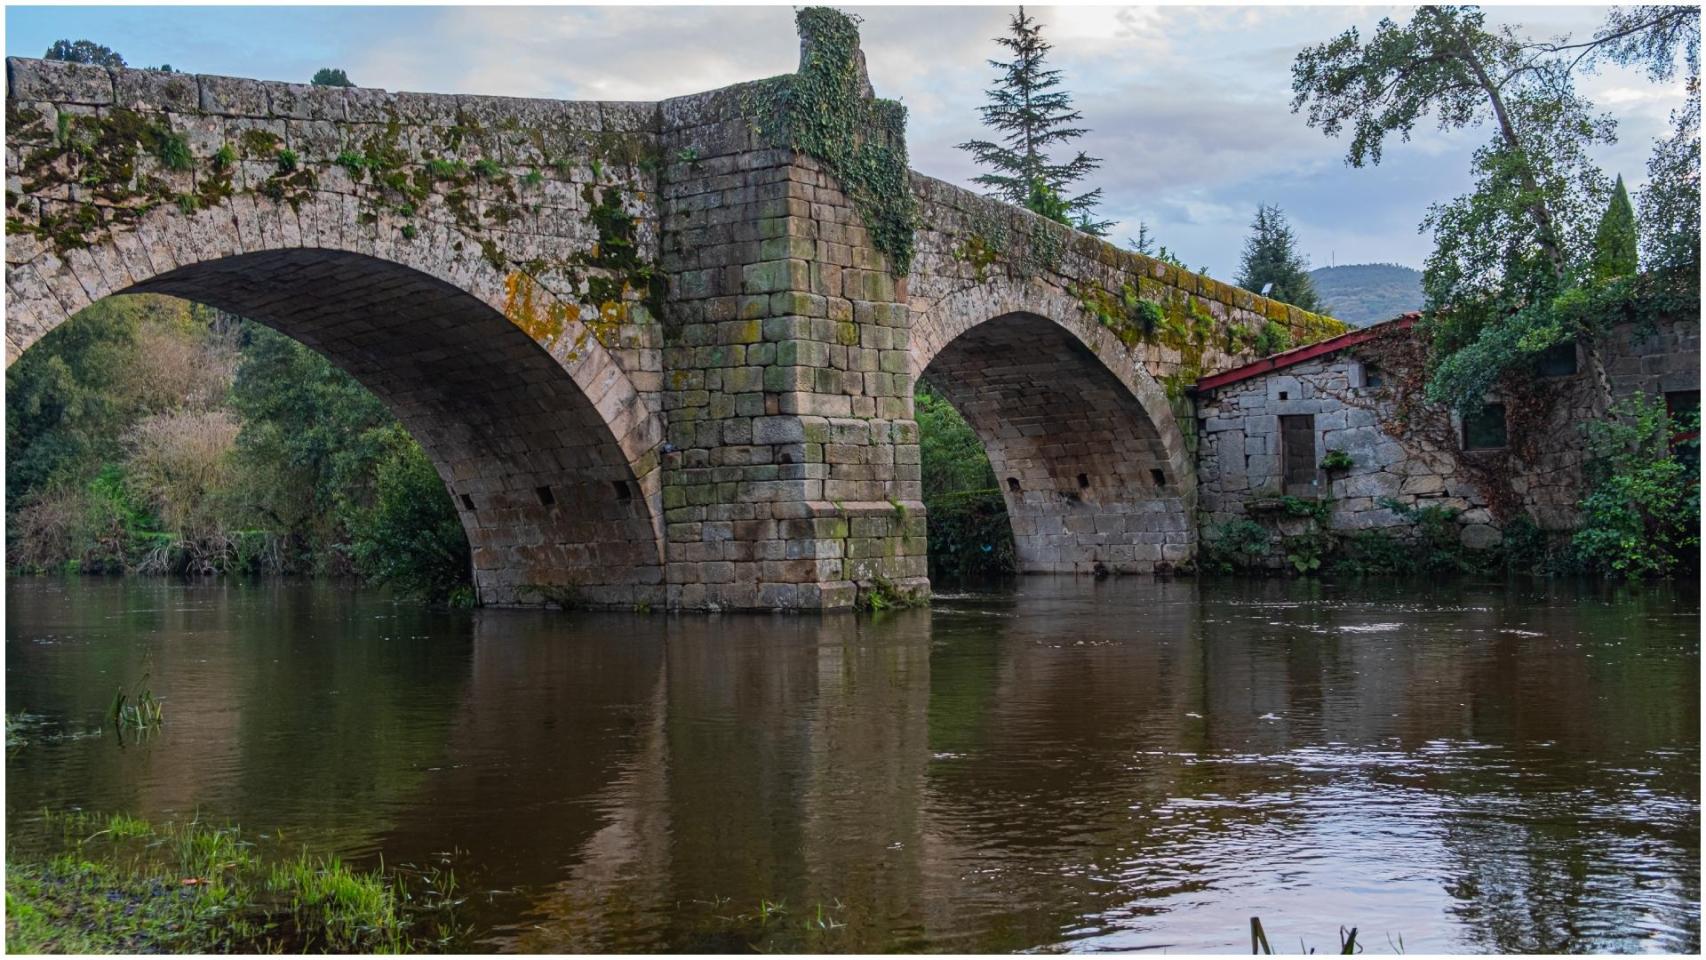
x=657, y=352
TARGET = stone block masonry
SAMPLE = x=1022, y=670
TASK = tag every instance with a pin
x=657, y=360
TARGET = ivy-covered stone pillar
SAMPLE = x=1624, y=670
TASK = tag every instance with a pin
x=792, y=473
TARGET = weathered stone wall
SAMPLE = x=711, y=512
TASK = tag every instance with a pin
x=1036, y=334
x=442, y=249
x=1240, y=464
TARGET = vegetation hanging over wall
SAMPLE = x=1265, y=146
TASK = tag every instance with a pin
x=826, y=111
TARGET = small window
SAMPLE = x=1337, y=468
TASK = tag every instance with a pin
x=622, y=492
x=1558, y=360
x=1159, y=477
x=1485, y=428
x=1284, y=395
x=468, y=503
x=1372, y=376
x=546, y=498
x=1083, y=481
x=1013, y=484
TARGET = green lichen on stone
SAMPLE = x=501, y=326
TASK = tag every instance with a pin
x=103, y=158
x=823, y=112
x=1131, y=317
x=258, y=144
x=977, y=252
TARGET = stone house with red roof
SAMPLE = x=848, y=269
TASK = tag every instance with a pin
x=1322, y=422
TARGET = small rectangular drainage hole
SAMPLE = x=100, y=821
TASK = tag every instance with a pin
x=622, y=492
x=1159, y=477
x=468, y=503
x=546, y=498
x=1013, y=484
x=1083, y=481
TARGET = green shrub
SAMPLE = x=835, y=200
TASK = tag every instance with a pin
x=1271, y=339
x=174, y=152
x=411, y=536
x=1235, y=545
x=969, y=531
x=1337, y=460
x=970, y=535
x=1641, y=515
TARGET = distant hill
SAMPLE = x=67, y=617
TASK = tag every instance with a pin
x=1365, y=293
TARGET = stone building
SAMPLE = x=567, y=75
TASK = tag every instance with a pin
x=1319, y=422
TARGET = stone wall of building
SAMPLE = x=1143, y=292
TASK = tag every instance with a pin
x=1242, y=454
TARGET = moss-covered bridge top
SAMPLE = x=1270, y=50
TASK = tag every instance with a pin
x=572, y=197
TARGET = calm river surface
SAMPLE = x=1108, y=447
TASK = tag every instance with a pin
x=1067, y=765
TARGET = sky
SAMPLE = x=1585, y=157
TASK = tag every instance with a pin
x=1188, y=107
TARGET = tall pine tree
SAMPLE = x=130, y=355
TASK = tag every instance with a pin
x=1032, y=115
x=1270, y=256
x=1616, y=240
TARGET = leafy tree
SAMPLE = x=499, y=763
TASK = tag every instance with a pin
x=1512, y=272
x=1523, y=236
x=1033, y=116
x=970, y=534
x=83, y=51
x=1641, y=517
x=310, y=436
x=411, y=537
x=1614, y=244
x=1670, y=203
x=952, y=456
x=331, y=77
x=1652, y=37
x=1270, y=256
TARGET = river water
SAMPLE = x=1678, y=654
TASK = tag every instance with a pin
x=1062, y=765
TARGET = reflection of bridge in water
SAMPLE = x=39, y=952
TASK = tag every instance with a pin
x=655, y=359
x=994, y=777
x=1117, y=764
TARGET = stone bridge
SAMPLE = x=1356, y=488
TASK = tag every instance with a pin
x=661, y=354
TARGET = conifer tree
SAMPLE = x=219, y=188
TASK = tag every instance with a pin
x=1270, y=256
x=1032, y=116
x=1616, y=240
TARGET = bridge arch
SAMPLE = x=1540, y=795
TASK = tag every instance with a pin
x=547, y=447
x=1092, y=465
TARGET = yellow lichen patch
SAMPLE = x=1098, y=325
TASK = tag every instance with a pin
x=542, y=321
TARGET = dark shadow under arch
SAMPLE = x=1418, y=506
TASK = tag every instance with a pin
x=543, y=488
x=1085, y=473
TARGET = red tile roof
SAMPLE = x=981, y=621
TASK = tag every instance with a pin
x=1296, y=355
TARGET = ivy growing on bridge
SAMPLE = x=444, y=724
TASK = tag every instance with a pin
x=826, y=112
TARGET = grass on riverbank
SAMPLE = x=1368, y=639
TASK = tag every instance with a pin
x=123, y=885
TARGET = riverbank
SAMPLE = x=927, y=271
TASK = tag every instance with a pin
x=123, y=885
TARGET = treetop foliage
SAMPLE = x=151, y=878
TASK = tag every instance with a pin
x=1615, y=243
x=1270, y=256
x=83, y=51
x=1032, y=115
x=331, y=77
